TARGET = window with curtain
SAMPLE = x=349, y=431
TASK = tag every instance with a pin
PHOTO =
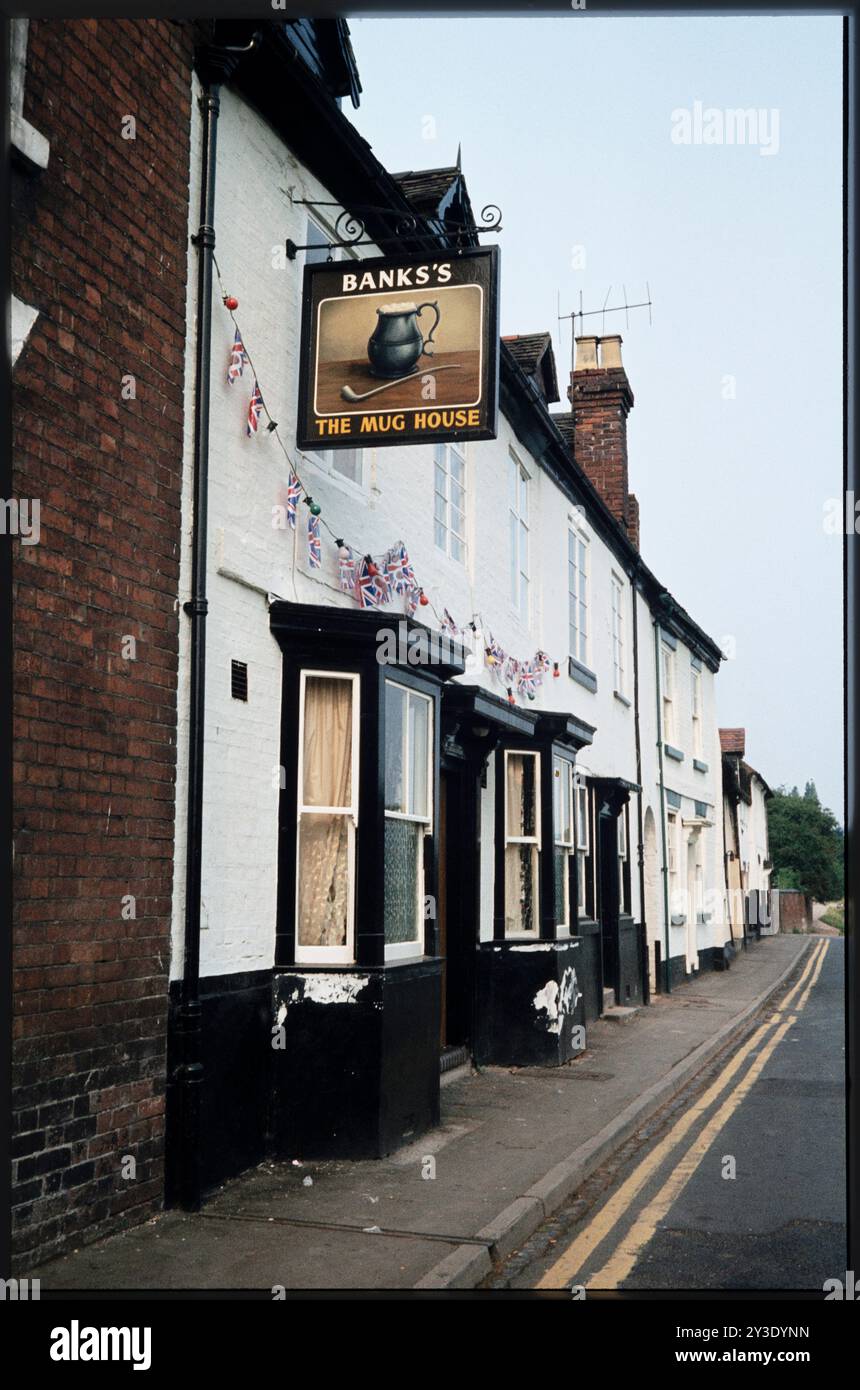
x=562, y=819
x=522, y=843
x=408, y=805
x=327, y=814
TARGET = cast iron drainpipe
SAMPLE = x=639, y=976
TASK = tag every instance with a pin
x=188, y=1075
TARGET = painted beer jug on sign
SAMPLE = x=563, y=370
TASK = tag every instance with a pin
x=397, y=341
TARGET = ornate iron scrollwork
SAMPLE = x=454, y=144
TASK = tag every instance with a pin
x=350, y=227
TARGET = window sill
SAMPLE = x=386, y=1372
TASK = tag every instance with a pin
x=581, y=674
x=674, y=753
x=699, y=765
x=407, y=954
x=356, y=490
x=622, y=699
x=30, y=145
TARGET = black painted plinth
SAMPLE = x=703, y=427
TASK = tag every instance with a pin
x=589, y=970
x=630, y=962
x=358, y=1075
x=529, y=1001
x=717, y=957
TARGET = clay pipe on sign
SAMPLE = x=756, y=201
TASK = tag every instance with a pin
x=350, y=395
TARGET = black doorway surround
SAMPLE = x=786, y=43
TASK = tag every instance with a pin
x=358, y=1072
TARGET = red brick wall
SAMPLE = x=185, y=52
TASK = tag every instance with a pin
x=99, y=247
x=601, y=400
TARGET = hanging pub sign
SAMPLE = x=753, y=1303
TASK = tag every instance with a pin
x=399, y=350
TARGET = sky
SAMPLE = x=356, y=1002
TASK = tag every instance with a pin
x=735, y=439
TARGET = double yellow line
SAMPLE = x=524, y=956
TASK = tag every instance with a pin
x=618, y=1266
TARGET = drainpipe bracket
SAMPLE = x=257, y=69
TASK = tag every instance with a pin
x=205, y=237
x=195, y=606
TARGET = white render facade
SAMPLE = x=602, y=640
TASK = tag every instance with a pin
x=529, y=553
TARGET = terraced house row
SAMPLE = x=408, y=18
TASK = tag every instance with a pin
x=284, y=858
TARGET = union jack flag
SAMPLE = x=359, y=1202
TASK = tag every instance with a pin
x=255, y=406
x=511, y=670
x=398, y=570
x=346, y=568
x=494, y=655
x=371, y=589
x=238, y=358
x=294, y=492
x=448, y=625
x=528, y=679
x=314, y=549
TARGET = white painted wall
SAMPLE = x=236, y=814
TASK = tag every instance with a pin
x=250, y=559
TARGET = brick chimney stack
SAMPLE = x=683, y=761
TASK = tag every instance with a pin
x=601, y=399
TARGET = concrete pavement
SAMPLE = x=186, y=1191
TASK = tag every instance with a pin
x=512, y=1146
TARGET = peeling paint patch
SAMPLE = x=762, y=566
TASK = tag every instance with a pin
x=329, y=989
x=559, y=1001
x=282, y=1013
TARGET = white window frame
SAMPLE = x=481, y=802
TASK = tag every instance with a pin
x=623, y=904
x=327, y=458
x=328, y=462
x=451, y=536
x=582, y=843
x=617, y=598
x=519, y=536
x=563, y=773
x=673, y=827
x=525, y=839
x=696, y=710
x=403, y=950
x=578, y=597
x=329, y=955
x=667, y=693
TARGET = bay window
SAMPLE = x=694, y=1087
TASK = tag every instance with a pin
x=408, y=819
x=327, y=815
x=522, y=843
x=563, y=845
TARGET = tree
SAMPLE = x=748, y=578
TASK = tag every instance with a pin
x=806, y=844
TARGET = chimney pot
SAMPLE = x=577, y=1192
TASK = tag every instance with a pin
x=610, y=351
x=586, y=354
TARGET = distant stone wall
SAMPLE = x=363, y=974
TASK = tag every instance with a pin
x=795, y=910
